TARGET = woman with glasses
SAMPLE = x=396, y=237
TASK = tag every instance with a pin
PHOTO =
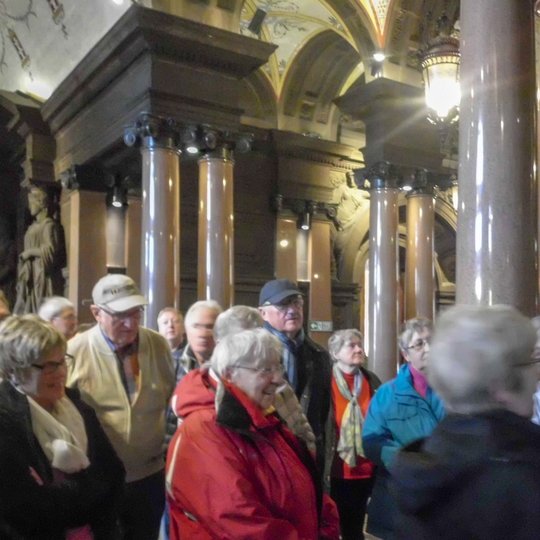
x=478, y=474
x=59, y=476
x=403, y=410
x=234, y=471
x=350, y=472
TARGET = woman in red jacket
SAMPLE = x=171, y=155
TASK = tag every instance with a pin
x=234, y=471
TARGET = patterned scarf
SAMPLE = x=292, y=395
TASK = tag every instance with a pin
x=290, y=353
x=350, y=435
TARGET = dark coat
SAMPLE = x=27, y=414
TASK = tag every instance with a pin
x=476, y=477
x=314, y=391
x=29, y=510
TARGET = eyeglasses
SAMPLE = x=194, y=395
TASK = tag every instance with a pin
x=48, y=368
x=420, y=344
x=296, y=302
x=134, y=314
x=266, y=371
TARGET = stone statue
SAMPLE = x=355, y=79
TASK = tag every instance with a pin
x=43, y=257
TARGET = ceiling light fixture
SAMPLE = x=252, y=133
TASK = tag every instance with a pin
x=440, y=71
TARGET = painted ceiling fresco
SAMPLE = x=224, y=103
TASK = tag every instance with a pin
x=290, y=24
x=41, y=41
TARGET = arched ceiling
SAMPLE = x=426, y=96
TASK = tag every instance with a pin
x=41, y=41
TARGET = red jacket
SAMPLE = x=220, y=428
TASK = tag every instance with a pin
x=240, y=474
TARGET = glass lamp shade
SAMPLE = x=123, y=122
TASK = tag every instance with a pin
x=440, y=71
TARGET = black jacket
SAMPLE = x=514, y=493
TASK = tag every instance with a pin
x=477, y=477
x=314, y=391
x=31, y=506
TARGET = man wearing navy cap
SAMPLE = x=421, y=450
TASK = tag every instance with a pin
x=125, y=372
x=307, y=365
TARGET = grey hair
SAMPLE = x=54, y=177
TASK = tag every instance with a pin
x=339, y=338
x=53, y=306
x=24, y=339
x=169, y=309
x=418, y=324
x=247, y=348
x=474, y=353
x=211, y=305
x=235, y=319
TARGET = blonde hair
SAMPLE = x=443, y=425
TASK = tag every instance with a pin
x=24, y=340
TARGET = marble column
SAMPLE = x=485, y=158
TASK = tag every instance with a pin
x=320, y=289
x=496, y=260
x=419, y=264
x=216, y=228
x=383, y=276
x=286, y=256
x=160, y=257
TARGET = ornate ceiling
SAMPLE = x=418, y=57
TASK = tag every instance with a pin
x=41, y=41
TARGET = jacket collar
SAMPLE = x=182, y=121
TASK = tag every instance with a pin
x=237, y=412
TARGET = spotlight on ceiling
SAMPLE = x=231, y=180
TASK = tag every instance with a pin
x=379, y=56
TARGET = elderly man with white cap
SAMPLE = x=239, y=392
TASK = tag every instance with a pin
x=125, y=373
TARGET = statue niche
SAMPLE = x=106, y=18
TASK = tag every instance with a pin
x=44, y=254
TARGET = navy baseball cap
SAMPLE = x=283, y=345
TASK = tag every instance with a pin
x=275, y=291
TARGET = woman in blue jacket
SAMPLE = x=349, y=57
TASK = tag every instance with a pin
x=403, y=410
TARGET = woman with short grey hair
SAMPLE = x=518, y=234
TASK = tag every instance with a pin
x=403, y=410
x=59, y=475
x=348, y=470
x=478, y=475
x=258, y=480
x=60, y=312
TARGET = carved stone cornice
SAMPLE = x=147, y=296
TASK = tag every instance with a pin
x=336, y=155
x=154, y=62
x=143, y=31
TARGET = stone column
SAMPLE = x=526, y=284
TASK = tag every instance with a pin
x=160, y=257
x=320, y=289
x=383, y=273
x=286, y=256
x=496, y=261
x=216, y=228
x=419, y=265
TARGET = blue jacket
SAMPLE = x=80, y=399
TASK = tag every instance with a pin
x=397, y=416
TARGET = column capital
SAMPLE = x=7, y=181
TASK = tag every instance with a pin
x=420, y=184
x=152, y=131
x=300, y=207
x=380, y=175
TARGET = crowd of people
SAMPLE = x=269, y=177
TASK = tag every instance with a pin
x=236, y=425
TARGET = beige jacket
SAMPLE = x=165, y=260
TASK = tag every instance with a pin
x=136, y=430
